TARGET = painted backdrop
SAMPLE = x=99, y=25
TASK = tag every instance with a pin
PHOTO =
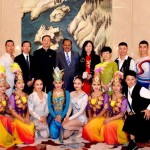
x=78, y=20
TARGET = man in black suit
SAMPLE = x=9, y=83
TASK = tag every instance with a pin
x=69, y=61
x=45, y=61
x=26, y=62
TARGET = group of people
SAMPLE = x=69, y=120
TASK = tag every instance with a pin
x=104, y=101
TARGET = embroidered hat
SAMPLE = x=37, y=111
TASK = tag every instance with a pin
x=58, y=74
x=15, y=68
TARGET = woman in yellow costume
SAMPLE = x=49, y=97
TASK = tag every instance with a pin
x=97, y=111
x=113, y=134
x=107, y=68
x=24, y=128
x=6, y=126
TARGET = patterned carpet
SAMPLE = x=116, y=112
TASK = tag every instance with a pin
x=73, y=143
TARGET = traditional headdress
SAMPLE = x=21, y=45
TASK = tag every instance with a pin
x=17, y=71
x=96, y=78
x=2, y=76
x=117, y=76
x=3, y=102
x=58, y=74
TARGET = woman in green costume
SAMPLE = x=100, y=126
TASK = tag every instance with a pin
x=106, y=68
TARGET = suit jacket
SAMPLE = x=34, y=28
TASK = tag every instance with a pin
x=28, y=74
x=45, y=61
x=69, y=72
x=95, y=59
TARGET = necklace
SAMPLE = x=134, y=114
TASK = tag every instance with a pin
x=58, y=93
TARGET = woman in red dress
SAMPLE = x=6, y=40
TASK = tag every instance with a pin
x=87, y=63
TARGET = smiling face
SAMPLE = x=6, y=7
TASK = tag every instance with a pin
x=130, y=80
x=117, y=87
x=38, y=85
x=58, y=84
x=143, y=49
x=88, y=48
x=122, y=50
x=78, y=84
x=26, y=48
x=2, y=88
x=106, y=56
x=96, y=86
x=19, y=85
x=67, y=46
x=46, y=42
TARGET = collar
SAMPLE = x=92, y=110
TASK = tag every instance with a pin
x=131, y=89
x=25, y=55
x=126, y=57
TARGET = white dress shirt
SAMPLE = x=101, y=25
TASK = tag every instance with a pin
x=6, y=61
x=132, y=63
x=145, y=93
x=69, y=54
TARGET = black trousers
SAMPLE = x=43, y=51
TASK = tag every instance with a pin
x=138, y=126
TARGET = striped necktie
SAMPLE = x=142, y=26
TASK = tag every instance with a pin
x=68, y=60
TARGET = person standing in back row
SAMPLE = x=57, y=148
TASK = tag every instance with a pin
x=26, y=63
x=45, y=60
x=69, y=61
x=6, y=60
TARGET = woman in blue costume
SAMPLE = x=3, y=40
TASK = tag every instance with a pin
x=58, y=103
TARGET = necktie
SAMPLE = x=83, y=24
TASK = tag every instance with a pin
x=68, y=60
x=27, y=61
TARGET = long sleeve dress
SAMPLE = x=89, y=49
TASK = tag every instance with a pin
x=57, y=106
x=107, y=70
x=6, y=126
x=38, y=108
x=113, y=133
x=92, y=131
x=78, y=106
x=24, y=133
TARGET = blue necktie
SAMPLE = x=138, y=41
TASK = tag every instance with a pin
x=68, y=60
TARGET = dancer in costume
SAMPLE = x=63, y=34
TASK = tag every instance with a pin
x=108, y=68
x=97, y=111
x=113, y=125
x=58, y=104
x=78, y=104
x=24, y=128
x=38, y=109
x=6, y=126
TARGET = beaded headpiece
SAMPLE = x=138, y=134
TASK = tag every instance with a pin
x=17, y=71
x=2, y=76
x=96, y=78
x=117, y=76
x=58, y=74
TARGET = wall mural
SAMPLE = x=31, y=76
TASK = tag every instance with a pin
x=78, y=20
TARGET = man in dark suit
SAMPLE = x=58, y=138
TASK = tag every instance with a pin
x=26, y=62
x=69, y=61
x=45, y=61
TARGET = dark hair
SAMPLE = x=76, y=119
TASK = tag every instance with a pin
x=144, y=42
x=66, y=40
x=106, y=49
x=15, y=81
x=79, y=77
x=46, y=36
x=9, y=41
x=122, y=44
x=36, y=80
x=130, y=73
x=83, y=48
x=25, y=42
